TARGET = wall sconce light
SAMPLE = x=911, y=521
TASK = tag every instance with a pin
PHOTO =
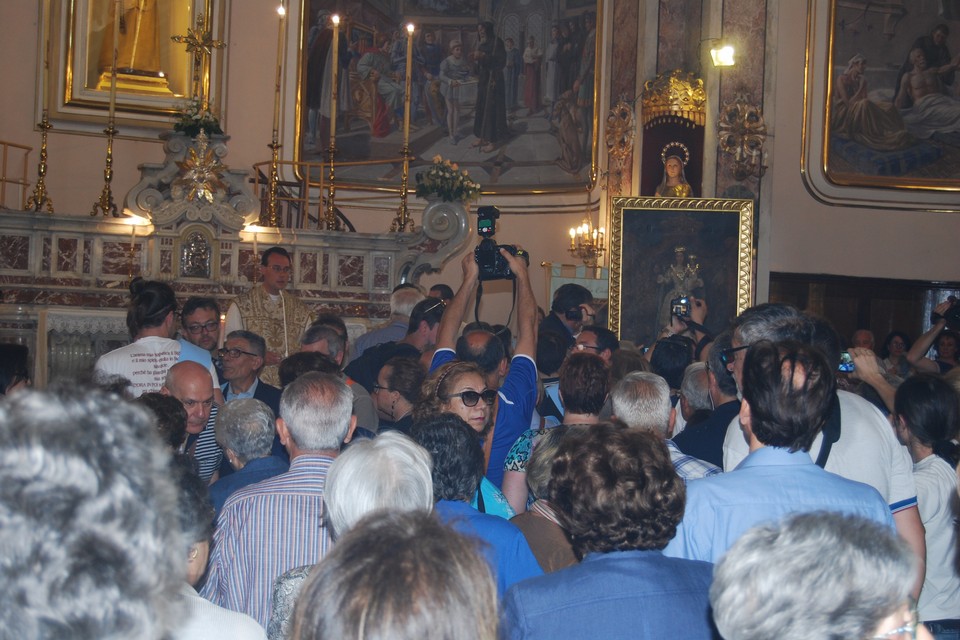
x=742, y=134
x=722, y=54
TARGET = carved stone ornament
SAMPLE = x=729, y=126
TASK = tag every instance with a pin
x=679, y=94
x=193, y=184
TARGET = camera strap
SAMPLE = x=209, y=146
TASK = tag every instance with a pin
x=513, y=304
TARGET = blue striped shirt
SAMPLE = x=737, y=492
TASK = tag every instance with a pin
x=264, y=530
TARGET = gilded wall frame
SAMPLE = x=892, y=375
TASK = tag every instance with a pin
x=861, y=145
x=538, y=155
x=79, y=32
x=717, y=238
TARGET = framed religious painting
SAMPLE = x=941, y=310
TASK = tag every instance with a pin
x=662, y=249
x=882, y=121
x=507, y=90
x=155, y=74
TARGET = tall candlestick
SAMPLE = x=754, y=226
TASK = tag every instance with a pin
x=113, y=68
x=282, y=12
x=334, y=77
x=46, y=75
x=406, y=102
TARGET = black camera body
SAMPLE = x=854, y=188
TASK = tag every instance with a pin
x=680, y=307
x=492, y=265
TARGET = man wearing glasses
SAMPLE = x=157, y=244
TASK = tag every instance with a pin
x=200, y=326
x=269, y=311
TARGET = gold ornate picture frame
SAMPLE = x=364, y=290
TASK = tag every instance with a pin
x=540, y=153
x=864, y=143
x=663, y=247
x=155, y=76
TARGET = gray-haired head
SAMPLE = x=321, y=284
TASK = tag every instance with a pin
x=246, y=427
x=316, y=410
x=642, y=401
x=315, y=333
x=257, y=344
x=771, y=321
x=390, y=471
x=814, y=575
x=402, y=301
x=695, y=387
x=403, y=576
x=89, y=537
x=195, y=511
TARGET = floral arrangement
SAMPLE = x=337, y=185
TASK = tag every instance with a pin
x=195, y=117
x=447, y=181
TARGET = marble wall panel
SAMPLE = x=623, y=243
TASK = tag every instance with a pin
x=745, y=22
x=247, y=264
x=15, y=252
x=381, y=272
x=624, y=81
x=325, y=269
x=87, y=248
x=350, y=271
x=226, y=259
x=116, y=258
x=45, y=256
x=166, y=260
x=678, y=35
x=308, y=268
x=68, y=254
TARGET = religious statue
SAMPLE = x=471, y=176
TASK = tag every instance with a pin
x=674, y=183
x=678, y=280
x=138, y=43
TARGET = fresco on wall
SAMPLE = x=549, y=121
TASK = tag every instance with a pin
x=511, y=102
x=893, y=96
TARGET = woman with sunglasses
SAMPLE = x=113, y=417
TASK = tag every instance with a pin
x=459, y=388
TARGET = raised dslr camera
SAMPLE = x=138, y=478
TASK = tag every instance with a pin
x=493, y=266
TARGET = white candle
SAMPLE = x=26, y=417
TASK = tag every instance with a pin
x=113, y=69
x=406, y=102
x=281, y=11
x=334, y=77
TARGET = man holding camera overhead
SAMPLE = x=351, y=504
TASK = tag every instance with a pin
x=571, y=309
x=515, y=380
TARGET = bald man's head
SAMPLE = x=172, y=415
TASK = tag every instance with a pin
x=191, y=384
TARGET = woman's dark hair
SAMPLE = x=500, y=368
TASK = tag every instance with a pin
x=171, y=417
x=294, y=366
x=150, y=302
x=14, y=367
x=929, y=408
x=584, y=383
x=615, y=489
x=551, y=350
x=406, y=377
x=671, y=357
x=885, y=348
x=457, y=455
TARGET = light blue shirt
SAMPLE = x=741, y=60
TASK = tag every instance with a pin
x=769, y=484
x=230, y=394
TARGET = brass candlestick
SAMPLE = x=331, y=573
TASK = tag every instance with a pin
x=40, y=199
x=105, y=205
x=272, y=217
x=330, y=219
x=403, y=221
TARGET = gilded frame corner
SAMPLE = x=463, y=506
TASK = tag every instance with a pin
x=646, y=231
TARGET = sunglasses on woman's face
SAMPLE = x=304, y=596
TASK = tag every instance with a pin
x=471, y=398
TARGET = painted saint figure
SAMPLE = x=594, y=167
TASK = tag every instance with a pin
x=490, y=119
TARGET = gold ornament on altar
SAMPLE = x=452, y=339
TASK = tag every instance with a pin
x=201, y=174
x=677, y=96
x=201, y=44
x=741, y=133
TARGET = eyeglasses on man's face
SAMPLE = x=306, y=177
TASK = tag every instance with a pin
x=379, y=387
x=471, y=398
x=207, y=327
x=728, y=355
x=583, y=347
x=235, y=353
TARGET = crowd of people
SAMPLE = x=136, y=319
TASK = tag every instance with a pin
x=445, y=478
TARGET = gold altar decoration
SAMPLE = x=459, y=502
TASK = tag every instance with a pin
x=330, y=219
x=40, y=199
x=138, y=60
x=742, y=133
x=676, y=96
x=105, y=204
x=201, y=174
x=201, y=44
x=402, y=221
